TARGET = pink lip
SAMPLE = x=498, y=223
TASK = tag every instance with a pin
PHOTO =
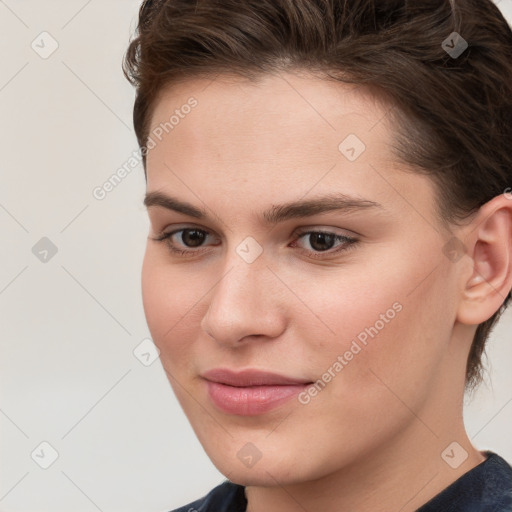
x=250, y=392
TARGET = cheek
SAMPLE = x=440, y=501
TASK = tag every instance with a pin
x=397, y=365
x=170, y=303
x=387, y=319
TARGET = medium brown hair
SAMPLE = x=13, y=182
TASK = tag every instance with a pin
x=452, y=114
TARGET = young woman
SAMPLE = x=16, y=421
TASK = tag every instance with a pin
x=328, y=186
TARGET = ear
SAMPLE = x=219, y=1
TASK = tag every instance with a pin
x=488, y=241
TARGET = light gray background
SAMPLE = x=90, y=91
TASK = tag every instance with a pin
x=69, y=326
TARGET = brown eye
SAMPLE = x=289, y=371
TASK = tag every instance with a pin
x=186, y=241
x=321, y=241
x=193, y=237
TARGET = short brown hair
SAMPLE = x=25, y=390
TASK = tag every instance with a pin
x=452, y=113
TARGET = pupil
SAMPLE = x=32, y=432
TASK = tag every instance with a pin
x=323, y=238
x=192, y=237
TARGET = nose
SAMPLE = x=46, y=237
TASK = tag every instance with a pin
x=244, y=304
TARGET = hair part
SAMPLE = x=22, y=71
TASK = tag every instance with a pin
x=451, y=117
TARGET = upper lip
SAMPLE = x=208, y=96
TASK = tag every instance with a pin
x=250, y=377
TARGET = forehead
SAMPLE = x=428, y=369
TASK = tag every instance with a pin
x=284, y=116
x=285, y=133
x=301, y=105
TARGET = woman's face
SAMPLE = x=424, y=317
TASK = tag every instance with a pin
x=364, y=313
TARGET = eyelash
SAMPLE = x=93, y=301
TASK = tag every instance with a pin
x=349, y=242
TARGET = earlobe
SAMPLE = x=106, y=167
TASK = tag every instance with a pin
x=489, y=245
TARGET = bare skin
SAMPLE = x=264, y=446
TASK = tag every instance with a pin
x=375, y=438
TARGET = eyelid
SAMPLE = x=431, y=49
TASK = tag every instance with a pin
x=166, y=235
x=349, y=233
x=300, y=230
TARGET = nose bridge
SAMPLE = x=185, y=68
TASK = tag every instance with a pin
x=245, y=273
x=241, y=303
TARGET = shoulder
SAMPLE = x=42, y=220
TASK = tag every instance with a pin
x=226, y=497
x=485, y=488
x=499, y=483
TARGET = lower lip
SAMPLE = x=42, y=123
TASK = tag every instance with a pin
x=253, y=400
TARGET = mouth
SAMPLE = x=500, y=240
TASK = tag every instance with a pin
x=251, y=392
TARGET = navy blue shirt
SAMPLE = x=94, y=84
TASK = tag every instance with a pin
x=485, y=488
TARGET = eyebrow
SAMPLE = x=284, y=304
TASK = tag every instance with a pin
x=275, y=214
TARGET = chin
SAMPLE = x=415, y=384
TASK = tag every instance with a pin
x=263, y=476
x=266, y=471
